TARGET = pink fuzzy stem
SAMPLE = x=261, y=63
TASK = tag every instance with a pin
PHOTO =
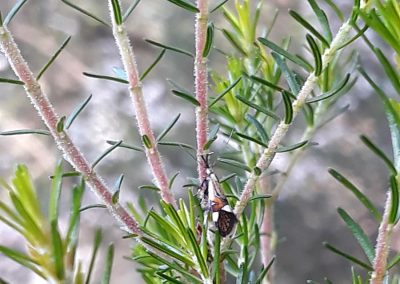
x=382, y=245
x=63, y=141
x=142, y=118
x=201, y=84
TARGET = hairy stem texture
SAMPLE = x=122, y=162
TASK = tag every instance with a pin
x=142, y=118
x=63, y=141
x=201, y=84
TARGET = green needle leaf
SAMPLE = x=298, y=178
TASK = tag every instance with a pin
x=234, y=163
x=251, y=139
x=226, y=91
x=53, y=58
x=60, y=124
x=76, y=112
x=106, y=152
x=359, y=234
x=117, y=12
x=234, y=41
x=219, y=5
x=169, y=127
x=288, y=107
x=83, y=11
x=172, y=48
x=347, y=256
x=58, y=251
x=284, y=53
x=316, y=54
x=56, y=185
x=257, y=107
x=124, y=145
x=394, y=208
x=146, y=141
x=358, y=194
x=394, y=261
x=148, y=70
x=130, y=10
x=96, y=244
x=322, y=18
x=200, y=259
x=266, y=83
x=379, y=153
x=13, y=12
x=115, y=79
x=185, y=5
x=209, y=39
x=25, y=131
x=108, y=265
x=176, y=144
x=335, y=91
x=291, y=147
x=22, y=259
x=169, y=278
x=308, y=26
x=11, y=81
x=186, y=97
x=287, y=73
x=264, y=271
x=212, y=136
x=260, y=129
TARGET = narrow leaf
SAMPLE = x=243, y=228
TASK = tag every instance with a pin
x=60, y=124
x=176, y=144
x=394, y=261
x=288, y=107
x=85, y=12
x=200, y=259
x=14, y=10
x=291, y=147
x=358, y=194
x=117, y=12
x=308, y=26
x=251, y=139
x=152, y=65
x=96, y=244
x=108, y=265
x=234, y=163
x=185, y=5
x=169, y=127
x=53, y=58
x=322, y=18
x=260, y=129
x=125, y=145
x=130, y=10
x=110, y=78
x=219, y=5
x=287, y=73
x=284, y=53
x=106, y=152
x=379, y=153
x=209, y=39
x=56, y=185
x=226, y=91
x=257, y=107
x=148, y=186
x=359, y=234
x=216, y=261
x=232, y=39
x=147, y=142
x=71, y=118
x=172, y=48
x=264, y=271
x=394, y=208
x=316, y=54
x=348, y=257
x=169, y=278
x=212, y=136
x=335, y=91
x=25, y=131
x=58, y=251
x=266, y=83
x=11, y=81
x=186, y=97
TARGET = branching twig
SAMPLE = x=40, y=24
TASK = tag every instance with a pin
x=135, y=89
x=269, y=153
x=201, y=85
x=63, y=141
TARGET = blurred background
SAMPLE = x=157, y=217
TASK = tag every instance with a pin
x=306, y=212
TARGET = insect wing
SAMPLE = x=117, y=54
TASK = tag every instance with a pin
x=226, y=222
